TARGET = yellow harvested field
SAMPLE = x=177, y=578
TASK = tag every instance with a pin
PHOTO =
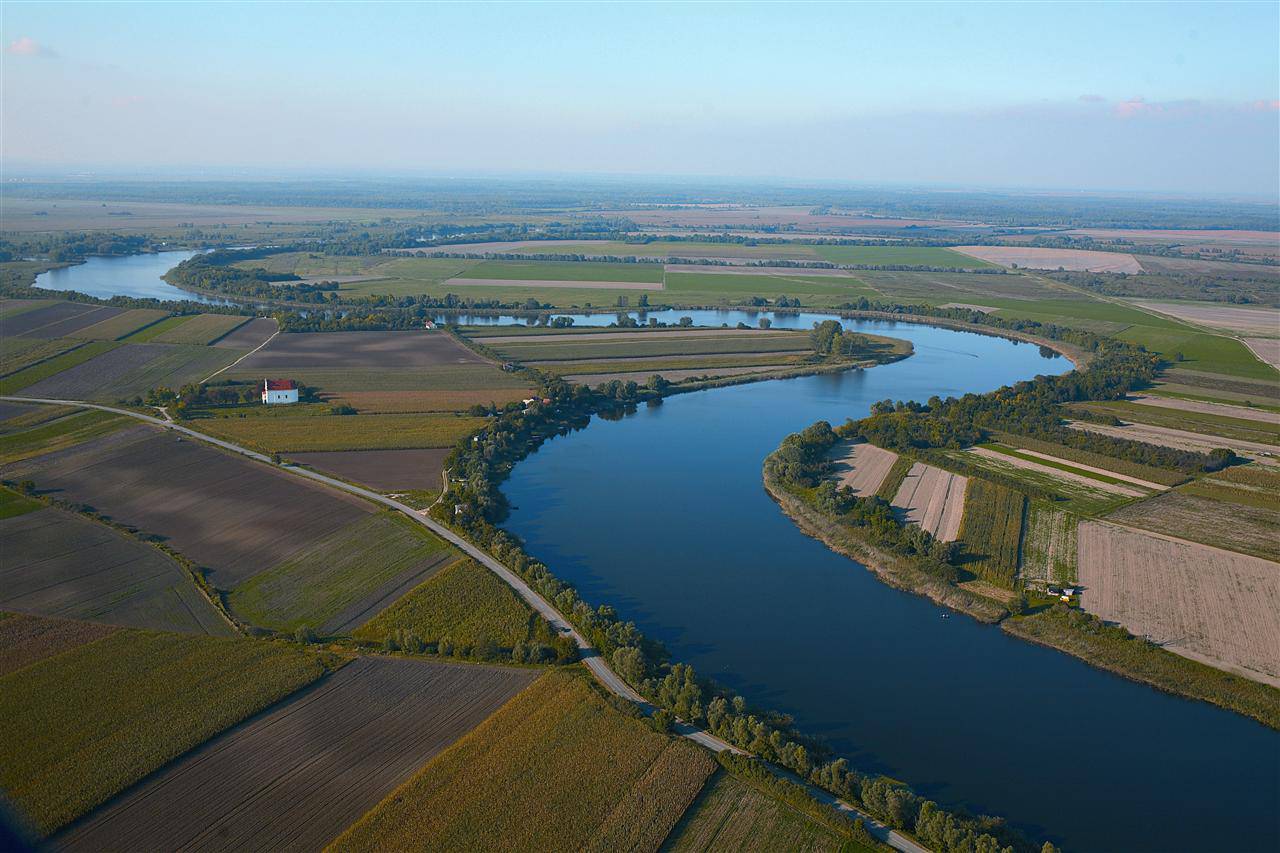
x=1058, y=473
x=539, y=283
x=1266, y=349
x=933, y=499
x=1258, y=321
x=1052, y=259
x=862, y=466
x=1184, y=440
x=1222, y=409
x=1205, y=603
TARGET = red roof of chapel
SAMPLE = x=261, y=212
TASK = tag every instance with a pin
x=280, y=385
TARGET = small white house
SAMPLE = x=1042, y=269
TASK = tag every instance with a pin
x=279, y=391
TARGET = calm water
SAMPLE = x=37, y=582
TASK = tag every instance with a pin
x=138, y=276
x=663, y=514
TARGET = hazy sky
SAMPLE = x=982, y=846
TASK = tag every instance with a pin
x=1137, y=96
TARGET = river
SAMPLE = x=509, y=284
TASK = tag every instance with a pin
x=138, y=276
x=663, y=514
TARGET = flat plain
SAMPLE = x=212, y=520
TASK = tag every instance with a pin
x=556, y=768
x=862, y=466
x=114, y=710
x=381, y=470
x=1213, y=605
x=26, y=639
x=1223, y=517
x=1052, y=259
x=297, y=776
x=54, y=563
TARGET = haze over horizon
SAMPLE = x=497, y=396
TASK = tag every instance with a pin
x=1154, y=97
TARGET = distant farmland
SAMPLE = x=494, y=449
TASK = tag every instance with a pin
x=294, y=778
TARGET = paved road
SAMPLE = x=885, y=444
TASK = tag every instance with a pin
x=590, y=656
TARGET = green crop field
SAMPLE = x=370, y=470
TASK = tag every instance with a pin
x=464, y=603
x=459, y=377
x=1075, y=497
x=732, y=815
x=557, y=768
x=813, y=290
x=992, y=531
x=565, y=271
x=338, y=577
x=57, y=434
x=79, y=727
x=13, y=504
x=1152, y=474
x=1237, y=428
x=682, y=363
x=155, y=330
x=922, y=256
x=20, y=379
x=122, y=325
x=342, y=432
x=1201, y=351
x=19, y=353
x=201, y=329
x=1049, y=545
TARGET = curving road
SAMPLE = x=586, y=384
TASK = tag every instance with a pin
x=590, y=656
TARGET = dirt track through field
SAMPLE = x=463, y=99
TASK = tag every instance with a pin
x=933, y=499
x=530, y=282
x=862, y=466
x=1052, y=259
x=296, y=776
x=1221, y=409
x=252, y=334
x=1266, y=349
x=1212, y=604
x=1058, y=473
x=299, y=351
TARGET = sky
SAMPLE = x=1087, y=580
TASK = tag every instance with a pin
x=1179, y=97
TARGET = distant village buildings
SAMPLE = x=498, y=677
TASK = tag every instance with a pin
x=275, y=391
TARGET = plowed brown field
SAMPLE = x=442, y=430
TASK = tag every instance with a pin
x=933, y=499
x=1212, y=605
x=862, y=467
x=298, y=775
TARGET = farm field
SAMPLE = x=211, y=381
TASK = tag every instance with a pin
x=664, y=365
x=1052, y=259
x=128, y=370
x=1266, y=349
x=1077, y=497
x=54, y=320
x=1216, y=385
x=1029, y=460
x=1240, y=429
x=924, y=256
x=55, y=563
x=729, y=814
x=1232, y=519
x=1179, y=438
x=932, y=499
x=556, y=768
x=342, y=432
x=1048, y=545
x=1207, y=408
x=249, y=336
x=992, y=531
x=1258, y=321
x=582, y=271
x=588, y=347
x=231, y=516
x=1215, y=606
x=408, y=402
x=114, y=710
x=326, y=756
x=26, y=639
x=381, y=470
x=1147, y=476
x=342, y=578
x=673, y=376
x=464, y=603
x=35, y=366
x=1203, y=351
x=201, y=329
x=390, y=350
x=122, y=325
x=862, y=466
x=65, y=430
x=18, y=353
x=649, y=249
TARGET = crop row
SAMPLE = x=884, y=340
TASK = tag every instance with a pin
x=992, y=530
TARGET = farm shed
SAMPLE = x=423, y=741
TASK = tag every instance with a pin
x=279, y=391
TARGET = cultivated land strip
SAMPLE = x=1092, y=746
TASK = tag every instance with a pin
x=1206, y=408
x=1058, y=473
x=590, y=657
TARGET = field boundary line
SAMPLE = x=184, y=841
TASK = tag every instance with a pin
x=591, y=658
x=243, y=357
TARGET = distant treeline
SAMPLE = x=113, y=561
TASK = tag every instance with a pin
x=1232, y=288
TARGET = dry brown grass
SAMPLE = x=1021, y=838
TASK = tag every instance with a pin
x=1211, y=605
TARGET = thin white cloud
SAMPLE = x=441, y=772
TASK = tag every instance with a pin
x=27, y=46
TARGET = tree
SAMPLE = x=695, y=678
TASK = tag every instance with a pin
x=643, y=301
x=765, y=322
x=304, y=634
x=662, y=720
x=686, y=321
